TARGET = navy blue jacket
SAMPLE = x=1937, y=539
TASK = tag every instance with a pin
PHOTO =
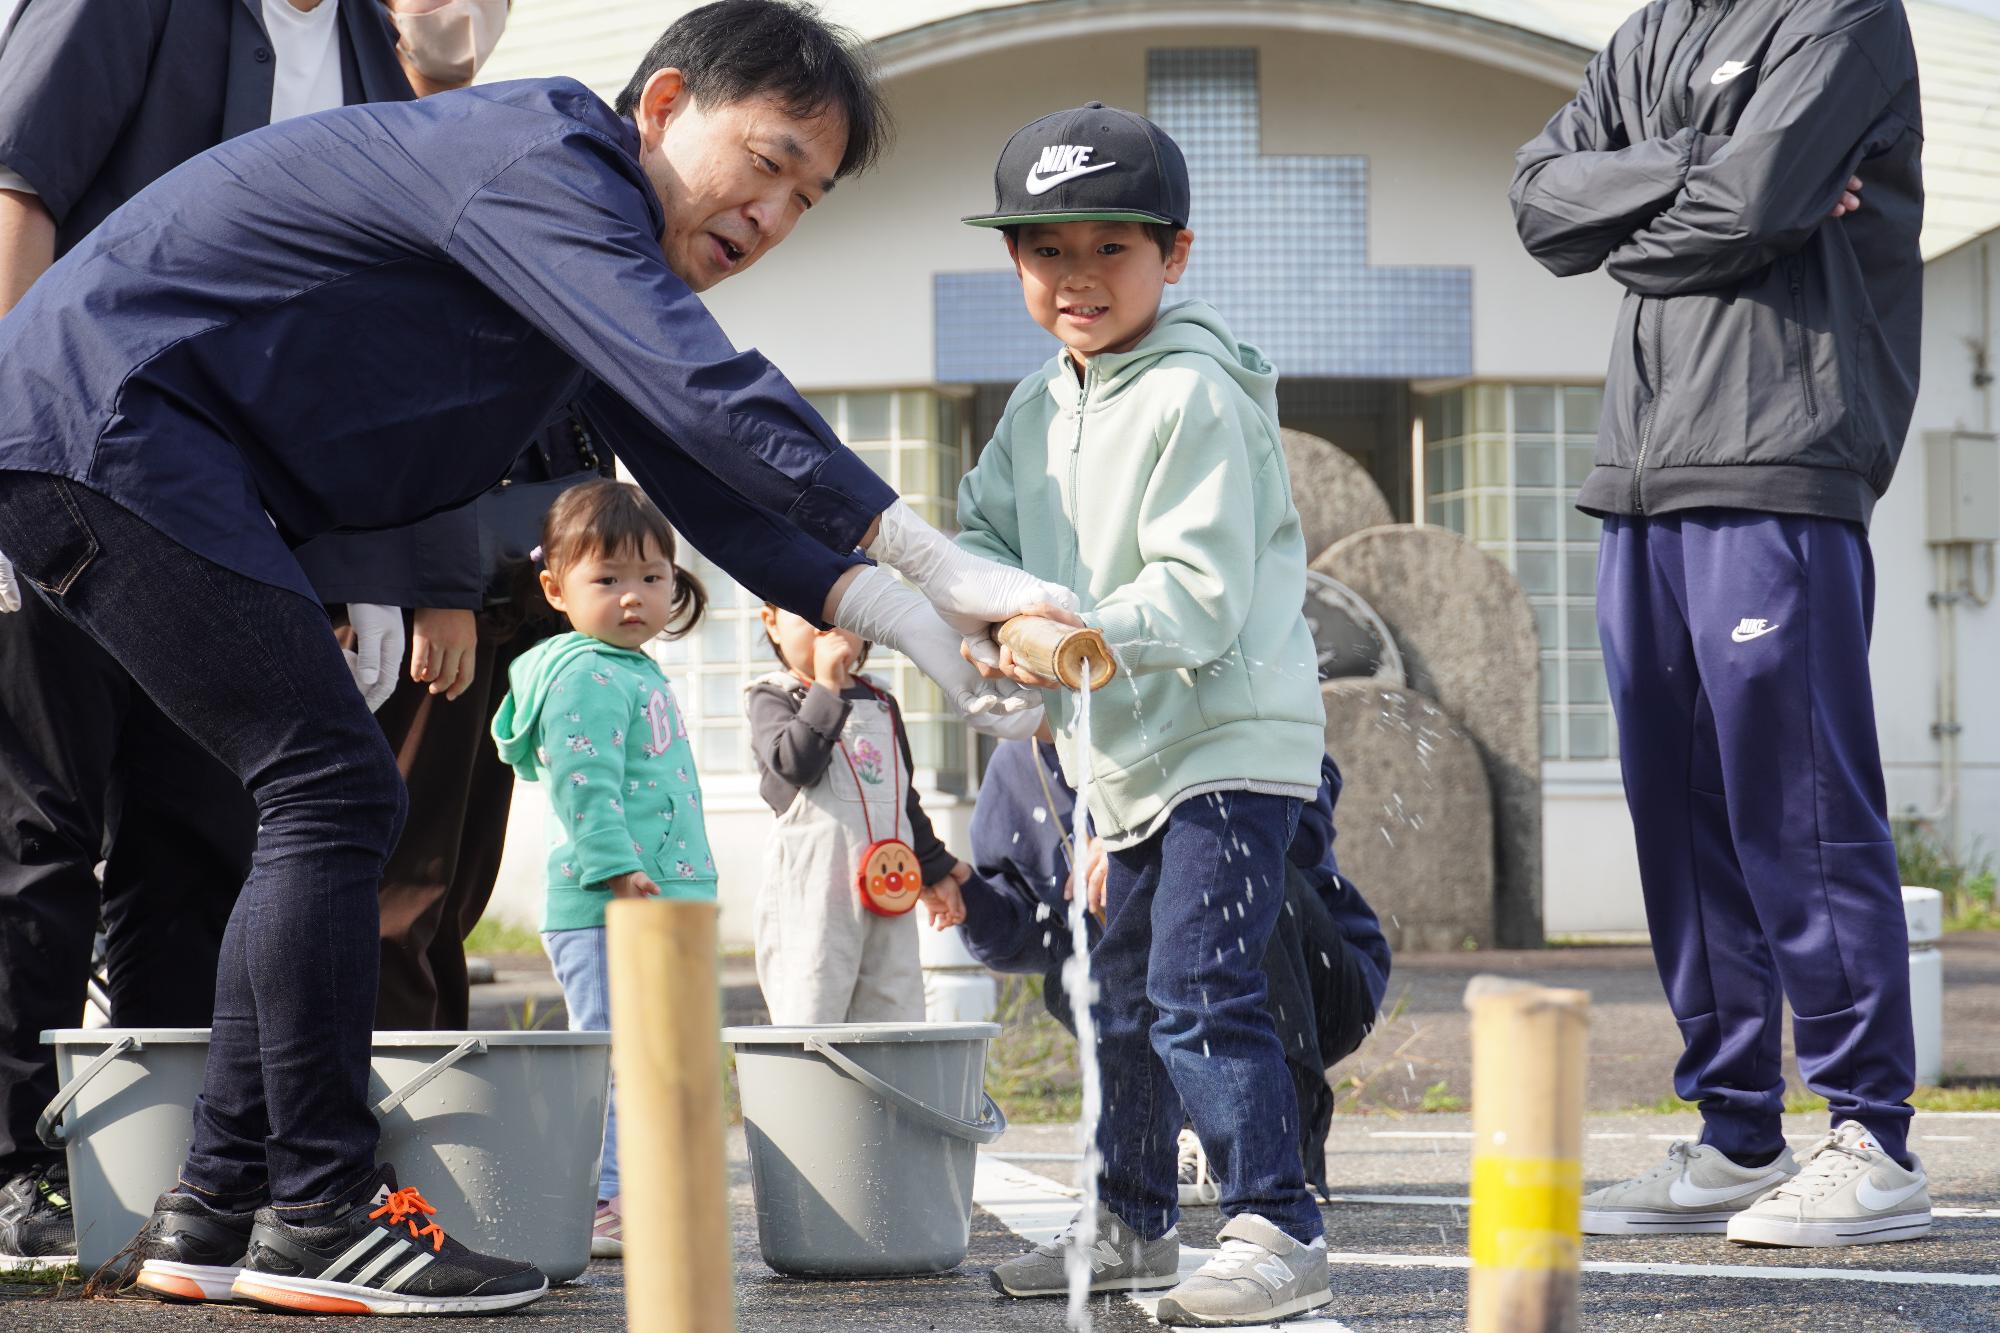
x=1015, y=912
x=357, y=319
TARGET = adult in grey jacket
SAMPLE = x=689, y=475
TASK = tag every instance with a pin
x=1748, y=170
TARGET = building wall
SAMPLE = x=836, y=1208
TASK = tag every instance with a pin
x=1905, y=659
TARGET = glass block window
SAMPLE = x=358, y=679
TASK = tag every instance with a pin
x=1501, y=465
x=914, y=439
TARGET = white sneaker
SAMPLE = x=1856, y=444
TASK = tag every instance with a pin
x=1697, y=1189
x=1199, y=1187
x=1847, y=1192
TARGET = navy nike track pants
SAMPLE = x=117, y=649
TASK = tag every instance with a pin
x=1736, y=644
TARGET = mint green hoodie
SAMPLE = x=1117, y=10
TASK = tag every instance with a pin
x=601, y=726
x=1156, y=488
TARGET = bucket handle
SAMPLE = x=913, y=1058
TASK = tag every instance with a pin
x=48, y=1125
x=990, y=1126
x=470, y=1046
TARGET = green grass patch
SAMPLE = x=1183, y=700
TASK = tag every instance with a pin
x=1031, y=1069
x=493, y=935
x=1438, y=1097
x=1802, y=1102
x=1968, y=886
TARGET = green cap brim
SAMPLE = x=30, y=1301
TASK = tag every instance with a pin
x=1087, y=215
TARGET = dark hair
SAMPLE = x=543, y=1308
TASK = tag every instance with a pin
x=1164, y=235
x=860, y=659
x=613, y=518
x=737, y=49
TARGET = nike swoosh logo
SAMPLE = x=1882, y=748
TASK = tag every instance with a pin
x=1728, y=70
x=1877, y=1201
x=1686, y=1195
x=1742, y=635
x=1043, y=184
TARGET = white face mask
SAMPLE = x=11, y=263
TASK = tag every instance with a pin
x=448, y=43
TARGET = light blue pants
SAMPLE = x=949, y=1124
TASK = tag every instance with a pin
x=580, y=959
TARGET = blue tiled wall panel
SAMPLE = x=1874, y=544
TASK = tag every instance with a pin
x=1281, y=247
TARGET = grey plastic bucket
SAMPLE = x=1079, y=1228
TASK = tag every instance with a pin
x=863, y=1138
x=500, y=1131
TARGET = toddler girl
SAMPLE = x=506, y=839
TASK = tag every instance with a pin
x=853, y=851
x=595, y=718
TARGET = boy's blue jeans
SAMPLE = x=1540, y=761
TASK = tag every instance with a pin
x=580, y=958
x=1182, y=1022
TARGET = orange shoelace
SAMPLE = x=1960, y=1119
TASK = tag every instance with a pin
x=405, y=1206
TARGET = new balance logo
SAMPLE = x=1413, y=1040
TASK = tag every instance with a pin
x=1062, y=162
x=1104, y=1255
x=1273, y=1270
x=1751, y=629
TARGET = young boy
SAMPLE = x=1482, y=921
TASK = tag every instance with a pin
x=1141, y=468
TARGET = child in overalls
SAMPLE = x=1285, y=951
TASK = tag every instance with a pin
x=852, y=852
x=593, y=717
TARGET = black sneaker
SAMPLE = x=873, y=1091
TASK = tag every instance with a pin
x=36, y=1229
x=383, y=1255
x=188, y=1251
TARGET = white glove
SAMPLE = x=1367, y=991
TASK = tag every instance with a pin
x=10, y=591
x=1008, y=726
x=971, y=593
x=883, y=610
x=377, y=654
x=448, y=40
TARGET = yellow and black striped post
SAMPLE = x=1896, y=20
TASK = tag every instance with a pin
x=1528, y=1051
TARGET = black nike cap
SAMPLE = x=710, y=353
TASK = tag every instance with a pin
x=1093, y=164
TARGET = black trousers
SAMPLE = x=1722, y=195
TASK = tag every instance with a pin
x=90, y=770
x=441, y=875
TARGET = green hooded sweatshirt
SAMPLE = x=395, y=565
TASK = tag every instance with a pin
x=1156, y=488
x=600, y=725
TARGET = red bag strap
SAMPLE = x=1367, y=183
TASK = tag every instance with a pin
x=895, y=773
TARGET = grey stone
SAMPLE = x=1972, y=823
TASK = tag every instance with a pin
x=1415, y=818
x=1333, y=492
x=1469, y=643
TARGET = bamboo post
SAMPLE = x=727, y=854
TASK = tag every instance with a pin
x=1058, y=651
x=1527, y=1141
x=666, y=1059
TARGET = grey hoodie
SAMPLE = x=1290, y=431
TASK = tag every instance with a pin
x=1766, y=354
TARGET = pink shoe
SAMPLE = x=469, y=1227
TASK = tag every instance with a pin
x=607, y=1232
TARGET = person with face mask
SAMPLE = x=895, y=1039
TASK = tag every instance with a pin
x=450, y=273
x=97, y=100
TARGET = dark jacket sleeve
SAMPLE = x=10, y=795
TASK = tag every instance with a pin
x=564, y=237
x=1818, y=111
x=793, y=734
x=762, y=551
x=1013, y=902
x=933, y=857
x=432, y=563
x=71, y=76
x=1581, y=187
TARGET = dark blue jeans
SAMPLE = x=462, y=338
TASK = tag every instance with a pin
x=1736, y=645
x=253, y=675
x=1182, y=1019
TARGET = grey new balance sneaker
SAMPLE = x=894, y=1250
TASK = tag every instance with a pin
x=1119, y=1261
x=1847, y=1192
x=1696, y=1189
x=1259, y=1275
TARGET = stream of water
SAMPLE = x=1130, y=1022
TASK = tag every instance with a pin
x=1082, y=991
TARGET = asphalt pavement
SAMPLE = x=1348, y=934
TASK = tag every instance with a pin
x=1396, y=1230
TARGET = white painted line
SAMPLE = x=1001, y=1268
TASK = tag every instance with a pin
x=1614, y=1136
x=1419, y=1133
x=1036, y=1208
x=1414, y=1200
x=1965, y=1212
x=1889, y=1277
x=1034, y=1156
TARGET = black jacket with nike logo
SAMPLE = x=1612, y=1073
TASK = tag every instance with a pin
x=1766, y=353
